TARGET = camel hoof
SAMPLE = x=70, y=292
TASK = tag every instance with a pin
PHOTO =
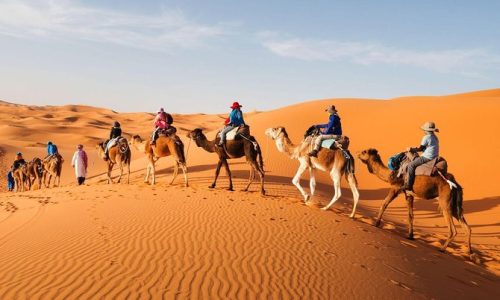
x=230, y=189
x=377, y=223
x=307, y=198
x=352, y=216
x=324, y=208
x=442, y=250
x=211, y=186
x=410, y=237
x=263, y=192
x=475, y=258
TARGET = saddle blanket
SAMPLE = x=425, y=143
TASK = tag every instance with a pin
x=327, y=143
x=427, y=169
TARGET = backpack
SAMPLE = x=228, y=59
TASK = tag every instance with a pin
x=169, y=118
x=395, y=161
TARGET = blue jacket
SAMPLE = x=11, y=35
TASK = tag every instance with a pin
x=10, y=180
x=236, y=118
x=333, y=127
x=52, y=149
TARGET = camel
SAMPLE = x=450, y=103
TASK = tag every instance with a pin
x=52, y=167
x=119, y=154
x=247, y=147
x=165, y=146
x=426, y=187
x=34, y=172
x=332, y=161
x=21, y=178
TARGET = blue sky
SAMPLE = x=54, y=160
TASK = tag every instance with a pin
x=199, y=56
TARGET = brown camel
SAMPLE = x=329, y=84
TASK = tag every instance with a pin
x=52, y=167
x=425, y=187
x=165, y=146
x=119, y=154
x=237, y=148
x=332, y=161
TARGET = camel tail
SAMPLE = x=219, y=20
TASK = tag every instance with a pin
x=457, y=199
x=259, y=155
x=349, y=166
x=180, y=152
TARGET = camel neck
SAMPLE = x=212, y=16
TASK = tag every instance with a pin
x=209, y=146
x=286, y=146
x=379, y=170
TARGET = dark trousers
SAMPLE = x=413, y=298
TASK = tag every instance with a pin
x=81, y=180
x=412, y=167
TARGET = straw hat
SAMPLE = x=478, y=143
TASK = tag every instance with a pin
x=429, y=126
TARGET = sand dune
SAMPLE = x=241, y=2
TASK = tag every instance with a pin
x=113, y=241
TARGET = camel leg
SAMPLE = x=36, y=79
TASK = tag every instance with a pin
x=128, y=173
x=217, y=171
x=335, y=174
x=176, y=171
x=153, y=174
x=110, y=169
x=351, y=179
x=184, y=172
x=261, y=175
x=146, y=178
x=452, y=231
x=466, y=226
x=312, y=181
x=296, y=179
x=121, y=172
x=409, y=203
x=251, y=177
x=228, y=172
x=393, y=193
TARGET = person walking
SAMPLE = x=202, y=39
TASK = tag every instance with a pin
x=80, y=164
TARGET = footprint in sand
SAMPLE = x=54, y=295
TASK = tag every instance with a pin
x=401, y=285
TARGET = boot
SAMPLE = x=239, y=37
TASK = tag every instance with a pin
x=313, y=153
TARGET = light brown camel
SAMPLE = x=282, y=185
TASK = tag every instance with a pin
x=425, y=187
x=34, y=172
x=20, y=178
x=165, y=146
x=119, y=154
x=52, y=167
x=332, y=161
x=240, y=147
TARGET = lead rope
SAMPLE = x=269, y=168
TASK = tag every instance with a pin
x=255, y=144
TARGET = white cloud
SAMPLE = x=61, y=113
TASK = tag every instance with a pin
x=464, y=61
x=66, y=19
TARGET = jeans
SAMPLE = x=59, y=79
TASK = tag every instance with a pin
x=322, y=137
x=224, y=132
x=412, y=167
x=81, y=180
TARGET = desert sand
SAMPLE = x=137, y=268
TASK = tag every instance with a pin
x=142, y=241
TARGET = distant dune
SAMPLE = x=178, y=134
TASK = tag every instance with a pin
x=113, y=241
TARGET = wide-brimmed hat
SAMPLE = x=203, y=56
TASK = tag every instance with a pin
x=236, y=105
x=331, y=109
x=19, y=154
x=429, y=126
x=161, y=110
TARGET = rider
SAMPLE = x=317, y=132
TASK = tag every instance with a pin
x=160, y=123
x=235, y=120
x=430, y=146
x=116, y=132
x=332, y=130
x=18, y=162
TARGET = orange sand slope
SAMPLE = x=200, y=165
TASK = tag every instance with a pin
x=110, y=241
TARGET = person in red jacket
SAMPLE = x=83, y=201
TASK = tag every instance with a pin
x=160, y=123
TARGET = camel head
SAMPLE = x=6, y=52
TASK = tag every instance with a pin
x=100, y=149
x=280, y=136
x=369, y=154
x=197, y=136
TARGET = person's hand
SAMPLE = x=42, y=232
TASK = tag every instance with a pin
x=408, y=149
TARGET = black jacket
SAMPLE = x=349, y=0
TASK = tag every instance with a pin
x=17, y=163
x=115, y=132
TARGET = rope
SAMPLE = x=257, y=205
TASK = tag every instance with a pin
x=255, y=144
x=187, y=152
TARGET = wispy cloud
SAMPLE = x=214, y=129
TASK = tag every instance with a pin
x=464, y=61
x=68, y=19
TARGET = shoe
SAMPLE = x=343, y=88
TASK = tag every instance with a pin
x=313, y=153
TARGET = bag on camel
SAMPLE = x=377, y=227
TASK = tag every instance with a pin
x=395, y=161
x=169, y=118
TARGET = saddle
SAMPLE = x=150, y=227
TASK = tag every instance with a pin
x=171, y=130
x=333, y=144
x=236, y=132
x=430, y=168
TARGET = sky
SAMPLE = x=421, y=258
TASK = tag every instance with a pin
x=199, y=56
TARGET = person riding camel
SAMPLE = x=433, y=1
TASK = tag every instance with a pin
x=331, y=130
x=114, y=135
x=161, y=123
x=234, y=120
x=430, y=147
x=18, y=162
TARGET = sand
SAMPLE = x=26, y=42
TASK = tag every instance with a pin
x=114, y=241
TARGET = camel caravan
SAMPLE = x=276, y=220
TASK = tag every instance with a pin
x=323, y=148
